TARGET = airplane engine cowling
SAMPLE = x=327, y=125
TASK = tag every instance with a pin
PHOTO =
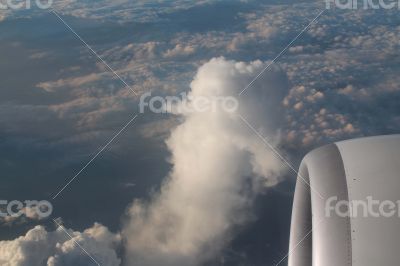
x=364, y=174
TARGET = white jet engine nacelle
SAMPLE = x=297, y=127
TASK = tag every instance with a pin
x=325, y=231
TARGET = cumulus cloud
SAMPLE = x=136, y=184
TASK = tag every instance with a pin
x=219, y=166
x=180, y=50
x=51, y=86
x=123, y=10
x=40, y=247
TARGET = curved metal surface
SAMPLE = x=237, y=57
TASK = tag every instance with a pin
x=349, y=171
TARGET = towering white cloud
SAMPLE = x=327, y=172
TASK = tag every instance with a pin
x=219, y=166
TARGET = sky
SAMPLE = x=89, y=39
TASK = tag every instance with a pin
x=181, y=188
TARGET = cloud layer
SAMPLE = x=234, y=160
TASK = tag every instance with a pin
x=59, y=104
